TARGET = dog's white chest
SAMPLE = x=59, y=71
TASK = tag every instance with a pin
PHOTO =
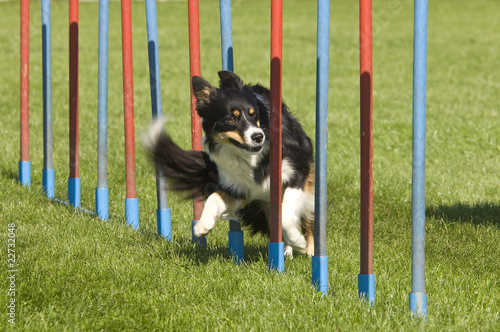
x=238, y=174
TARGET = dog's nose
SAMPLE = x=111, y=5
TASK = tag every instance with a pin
x=257, y=137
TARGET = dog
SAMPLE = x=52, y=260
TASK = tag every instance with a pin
x=232, y=171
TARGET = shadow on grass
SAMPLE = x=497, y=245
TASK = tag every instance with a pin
x=201, y=255
x=479, y=214
x=183, y=246
x=10, y=174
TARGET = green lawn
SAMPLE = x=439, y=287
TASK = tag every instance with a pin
x=76, y=272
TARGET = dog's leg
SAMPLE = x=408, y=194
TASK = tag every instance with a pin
x=309, y=235
x=216, y=204
x=293, y=201
x=288, y=251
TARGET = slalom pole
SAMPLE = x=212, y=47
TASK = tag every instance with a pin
x=74, y=167
x=226, y=33
x=366, y=277
x=276, y=244
x=235, y=235
x=131, y=200
x=24, y=162
x=163, y=213
x=320, y=258
x=102, y=191
x=48, y=170
x=195, y=70
x=418, y=295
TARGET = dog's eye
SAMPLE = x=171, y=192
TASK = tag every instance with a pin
x=231, y=120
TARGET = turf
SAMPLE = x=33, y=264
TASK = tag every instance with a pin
x=76, y=272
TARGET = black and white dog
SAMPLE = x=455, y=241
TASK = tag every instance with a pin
x=232, y=172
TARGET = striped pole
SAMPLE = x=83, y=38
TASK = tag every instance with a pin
x=276, y=245
x=131, y=200
x=235, y=235
x=320, y=258
x=163, y=214
x=102, y=191
x=418, y=295
x=195, y=70
x=24, y=163
x=48, y=171
x=366, y=277
x=74, y=167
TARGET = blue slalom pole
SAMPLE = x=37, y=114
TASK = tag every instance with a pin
x=102, y=191
x=24, y=162
x=235, y=235
x=418, y=296
x=24, y=171
x=48, y=171
x=226, y=34
x=320, y=258
x=235, y=241
x=163, y=214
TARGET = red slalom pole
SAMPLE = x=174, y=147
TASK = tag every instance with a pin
x=74, y=171
x=24, y=163
x=195, y=70
x=131, y=200
x=366, y=278
x=276, y=246
x=128, y=98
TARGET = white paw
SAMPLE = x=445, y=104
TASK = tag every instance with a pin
x=202, y=228
x=288, y=251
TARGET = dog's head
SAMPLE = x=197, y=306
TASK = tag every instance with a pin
x=231, y=114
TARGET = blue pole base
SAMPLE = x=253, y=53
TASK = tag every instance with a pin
x=48, y=177
x=418, y=304
x=25, y=173
x=276, y=256
x=102, y=203
x=320, y=273
x=366, y=287
x=164, y=221
x=132, y=212
x=201, y=241
x=235, y=245
x=74, y=192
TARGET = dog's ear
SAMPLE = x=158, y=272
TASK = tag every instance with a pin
x=229, y=80
x=202, y=90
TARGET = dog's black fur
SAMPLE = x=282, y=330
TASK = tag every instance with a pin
x=234, y=168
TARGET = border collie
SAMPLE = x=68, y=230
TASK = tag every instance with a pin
x=232, y=173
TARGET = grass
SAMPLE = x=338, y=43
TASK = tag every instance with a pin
x=78, y=273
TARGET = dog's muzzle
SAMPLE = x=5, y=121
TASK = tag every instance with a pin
x=257, y=138
x=254, y=138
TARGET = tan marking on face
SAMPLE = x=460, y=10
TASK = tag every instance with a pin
x=258, y=124
x=234, y=135
x=236, y=113
x=251, y=111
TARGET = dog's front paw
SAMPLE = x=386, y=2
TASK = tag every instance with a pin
x=288, y=251
x=202, y=228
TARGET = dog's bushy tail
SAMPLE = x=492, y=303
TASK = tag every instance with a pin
x=191, y=172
